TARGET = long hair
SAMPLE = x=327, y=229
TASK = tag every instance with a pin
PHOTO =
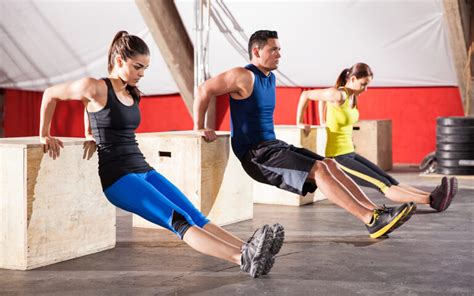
x=127, y=46
x=359, y=70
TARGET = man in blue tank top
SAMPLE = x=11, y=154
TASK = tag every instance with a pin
x=252, y=91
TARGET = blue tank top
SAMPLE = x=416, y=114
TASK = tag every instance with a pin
x=252, y=118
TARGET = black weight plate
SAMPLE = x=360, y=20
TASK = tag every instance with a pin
x=447, y=163
x=455, y=121
x=455, y=130
x=455, y=171
x=455, y=139
x=466, y=162
x=455, y=146
x=454, y=154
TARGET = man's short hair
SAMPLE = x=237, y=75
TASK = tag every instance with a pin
x=260, y=38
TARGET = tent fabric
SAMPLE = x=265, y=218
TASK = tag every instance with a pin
x=405, y=42
x=48, y=42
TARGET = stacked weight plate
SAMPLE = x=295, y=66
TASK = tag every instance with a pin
x=455, y=145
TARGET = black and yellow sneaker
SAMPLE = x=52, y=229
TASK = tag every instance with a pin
x=411, y=209
x=384, y=219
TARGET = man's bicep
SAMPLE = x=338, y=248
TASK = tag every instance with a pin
x=224, y=83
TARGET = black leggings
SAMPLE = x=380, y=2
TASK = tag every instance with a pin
x=364, y=172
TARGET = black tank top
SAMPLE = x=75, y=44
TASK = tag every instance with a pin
x=113, y=128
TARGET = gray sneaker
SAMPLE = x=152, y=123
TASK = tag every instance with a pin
x=278, y=238
x=256, y=251
x=277, y=243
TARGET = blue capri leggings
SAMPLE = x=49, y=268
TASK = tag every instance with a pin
x=153, y=197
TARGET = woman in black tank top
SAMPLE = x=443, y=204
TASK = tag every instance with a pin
x=127, y=179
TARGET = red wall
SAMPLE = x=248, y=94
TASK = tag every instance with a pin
x=21, y=117
x=413, y=112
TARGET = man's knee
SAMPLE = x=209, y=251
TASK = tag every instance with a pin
x=331, y=163
x=320, y=169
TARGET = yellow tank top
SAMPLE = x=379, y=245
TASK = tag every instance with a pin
x=339, y=124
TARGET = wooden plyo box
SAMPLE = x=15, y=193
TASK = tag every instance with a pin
x=50, y=210
x=207, y=173
x=373, y=140
x=314, y=140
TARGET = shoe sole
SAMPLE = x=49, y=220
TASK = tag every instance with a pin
x=268, y=265
x=444, y=182
x=453, y=188
x=387, y=227
x=278, y=238
x=264, y=252
x=408, y=214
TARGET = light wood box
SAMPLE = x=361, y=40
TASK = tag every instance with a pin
x=313, y=140
x=207, y=173
x=50, y=210
x=373, y=140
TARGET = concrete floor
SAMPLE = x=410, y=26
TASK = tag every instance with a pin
x=327, y=252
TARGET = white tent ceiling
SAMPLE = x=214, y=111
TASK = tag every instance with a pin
x=405, y=42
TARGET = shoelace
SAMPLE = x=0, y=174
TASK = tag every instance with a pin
x=377, y=213
x=245, y=245
x=253, y=235
x=382, y=209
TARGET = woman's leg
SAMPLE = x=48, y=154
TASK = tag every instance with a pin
x=413, y=189
x=134, y=194
x=256, y=255
x=400, y=194
x=224, y=234
x=366, y=173
x=405, y=189
x=361, y=173
x=209, y=244
x=177, y=197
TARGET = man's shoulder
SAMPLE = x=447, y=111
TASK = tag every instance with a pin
x=241, y=73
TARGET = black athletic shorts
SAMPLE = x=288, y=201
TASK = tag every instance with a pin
x=279, y=164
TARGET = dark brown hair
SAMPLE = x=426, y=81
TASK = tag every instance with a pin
x=260, y=38
x=359, y=70
x=127, y=46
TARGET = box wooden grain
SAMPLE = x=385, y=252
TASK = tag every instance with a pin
x=50, y=210
x=373, y=140
x=207, y=173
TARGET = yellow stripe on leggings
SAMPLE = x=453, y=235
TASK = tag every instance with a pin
x=369, y=179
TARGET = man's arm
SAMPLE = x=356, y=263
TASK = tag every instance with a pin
x=235, y=81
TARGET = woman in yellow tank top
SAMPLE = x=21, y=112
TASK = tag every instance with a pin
x=340, y=104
